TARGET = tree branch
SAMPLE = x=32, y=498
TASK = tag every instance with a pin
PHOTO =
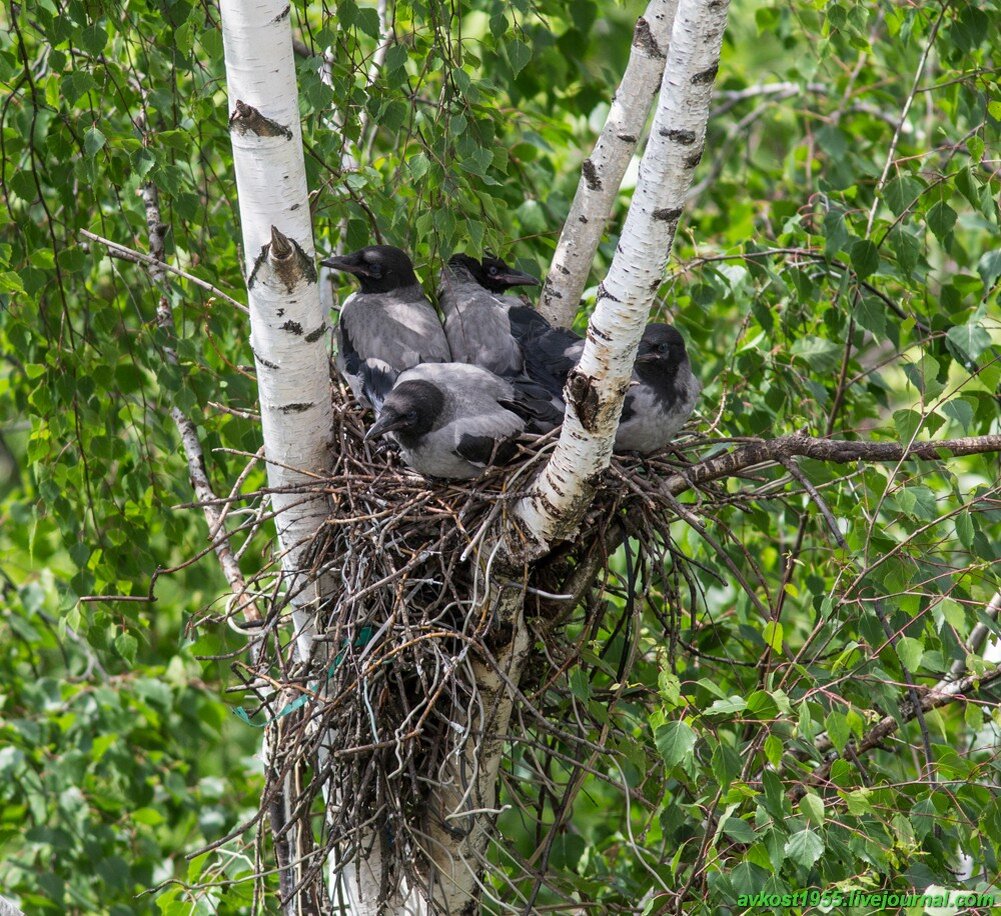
x=197, y=473
x=553, y=509
x=839, y=451
x=603, y=170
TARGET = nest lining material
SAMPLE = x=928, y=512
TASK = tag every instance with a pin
x=410, y=563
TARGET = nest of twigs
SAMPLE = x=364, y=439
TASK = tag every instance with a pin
x=409, y=565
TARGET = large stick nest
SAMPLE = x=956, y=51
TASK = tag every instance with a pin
x=410, y=566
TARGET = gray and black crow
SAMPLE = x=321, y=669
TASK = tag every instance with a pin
x=453, y=419
x=660, y=397
x=387, y=326
x=481, y=324
x=662, y=394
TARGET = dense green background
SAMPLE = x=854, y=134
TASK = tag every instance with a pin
x=118, y=755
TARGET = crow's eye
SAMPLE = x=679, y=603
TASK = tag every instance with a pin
x=663, y=348
x=492, y=270
x=375, y=270
x=411, y=416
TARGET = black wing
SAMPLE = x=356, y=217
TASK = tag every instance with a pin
x=534, y=404
x=550, y=356
x=484, y=450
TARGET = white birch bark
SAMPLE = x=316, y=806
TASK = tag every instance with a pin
x=553, y=509
x=603, y=170
x=288, y=332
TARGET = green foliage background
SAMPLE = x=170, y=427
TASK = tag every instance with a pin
x=117, y=752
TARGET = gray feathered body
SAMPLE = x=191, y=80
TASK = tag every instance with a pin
x=472, y=426
x=392, y=331
x=477, y=324
x=655, y=412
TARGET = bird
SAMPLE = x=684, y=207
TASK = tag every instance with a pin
x=453, y=420
x=388, y=326
x=481, y=324
x=661, y=393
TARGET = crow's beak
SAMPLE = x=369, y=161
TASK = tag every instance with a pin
x=385, y=424
x=514, y=277
x=348, y=265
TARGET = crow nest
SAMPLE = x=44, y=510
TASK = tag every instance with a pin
x=414, y=576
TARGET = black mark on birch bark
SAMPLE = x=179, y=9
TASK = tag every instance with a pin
x=296, y=408
x=246, y=119
x=293, y=327
x=582, y=218
x=705, y=76
x=681, y=137
x=313, y=336
x=263, y=362
x=627, y=138
x=667, y=216
x=591, y=175
x=282, y=15
x=644, y=40
x=584, y=398
x=694, y=159
x=603, y=293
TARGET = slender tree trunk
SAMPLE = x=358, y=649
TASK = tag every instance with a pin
x=597, y=387
x=604, y=169
x=288, y=331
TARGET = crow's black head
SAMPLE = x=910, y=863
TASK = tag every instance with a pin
x=492, y=273
x=661, y=346
x=410, y=411
x=379, y=268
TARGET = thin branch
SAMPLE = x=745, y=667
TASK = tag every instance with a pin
x=597, y=387
x=839, y=451
x=125, y=253
x=197, y=473
x=891, y=152
x=603, y=170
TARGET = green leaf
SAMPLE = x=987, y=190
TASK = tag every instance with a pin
x=126, y=645
x=910, y=652
x=960, y=410
x=969, y=339
x=675, y=741
x=519, y=54
x=865, y=258
x=819, y=353
x=812, y=807
x=989, y=267
x=906, y=423
x=804, y=847
x=773, y=750
x=838, y=731
x=941, y=220
x=728, y=707
x=902, y=193
x=93, y=141
x=739, y=830
x=396, y=58
x=964, y=529
x=772, y=635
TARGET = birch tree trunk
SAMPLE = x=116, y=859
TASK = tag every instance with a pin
x=596, y=389
x=603, y=171
x=288, y=331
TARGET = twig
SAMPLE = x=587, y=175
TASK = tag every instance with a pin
x=137, y=257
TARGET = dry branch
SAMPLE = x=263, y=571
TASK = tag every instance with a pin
x=839, y=451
